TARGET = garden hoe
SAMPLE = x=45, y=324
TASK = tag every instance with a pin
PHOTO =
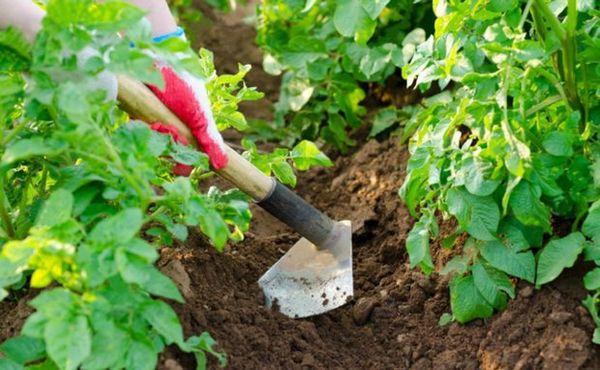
x=315, y=275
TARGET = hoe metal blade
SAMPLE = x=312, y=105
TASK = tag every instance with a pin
x=308, y=280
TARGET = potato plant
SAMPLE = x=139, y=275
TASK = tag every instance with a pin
x=88, y=196
x=511, y=152
x=327, y=51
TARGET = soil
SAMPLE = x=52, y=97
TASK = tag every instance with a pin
x=392, y=322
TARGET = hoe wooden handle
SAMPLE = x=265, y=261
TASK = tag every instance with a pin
x=137, y=100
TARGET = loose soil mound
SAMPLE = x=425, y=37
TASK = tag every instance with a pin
x=392, y=323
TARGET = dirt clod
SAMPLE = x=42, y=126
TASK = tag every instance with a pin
x=176, y=271
x=526, y=292
x=561, y=317
x=362, y=309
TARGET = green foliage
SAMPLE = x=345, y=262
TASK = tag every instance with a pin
x=326, y=52
x=512, y=151
x=226, y=92
x=280, y=161
x=87, y=196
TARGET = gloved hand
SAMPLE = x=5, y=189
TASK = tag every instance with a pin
x=186, y=96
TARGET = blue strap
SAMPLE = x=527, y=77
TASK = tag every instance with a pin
x=177, y=33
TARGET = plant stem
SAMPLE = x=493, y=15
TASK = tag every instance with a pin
x=114, y=156
x=566, y=36
x=570, y=57
x=524, y=16
x=15, y=131
x=571, y=24
x=543, y=104
x=158, y=211
x=8, y=226
x=553, y=22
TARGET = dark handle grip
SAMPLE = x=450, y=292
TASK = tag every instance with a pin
x=298, y=214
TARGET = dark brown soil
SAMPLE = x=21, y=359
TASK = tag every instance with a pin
x=397, y=309
x=392, y=323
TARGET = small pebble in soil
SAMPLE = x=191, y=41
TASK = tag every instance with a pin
x=171, y=364
x=402, y=338
x=308, y=360
x=362, y=309
x=383, y=293
x=526, y=292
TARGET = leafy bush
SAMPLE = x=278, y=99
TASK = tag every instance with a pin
x=512, y=152
x=326, y=50
x=87, y=197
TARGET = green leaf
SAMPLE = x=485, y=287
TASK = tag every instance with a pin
x=519, y=264
x=189, y=156
x=513, y=238
x=457, y=265
x=466, y=302
x=28, y=148
x=445, y=319
x=557, y=255
x=54, y=303
x=591, y=224
x=479, y=216
x=34, y=326
x=56, y=209
x=136, y=270
x=417, y=246
x=210, y=221
x=23, y=349
x=296, y=92
x=476, y=171
x=111, y=16
x=558, y=143
x=109, y=346
x=384, y=119
x=590, y=302
x=204, y=343
x=306, y=154
x=68, y=341
x=284, y=172
x=160, y=285
x=376, y=60
x=351, y=20
x=596, y=336
x=501, y=6
x=44, y=365
x=141, y=355
x=15, y=39
x=591, y=251
x=492, y=285
x=164, y=320
x=7, y=364
x=119, y=228
x=591, y=280
x=374, y=7
x=527, y=207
